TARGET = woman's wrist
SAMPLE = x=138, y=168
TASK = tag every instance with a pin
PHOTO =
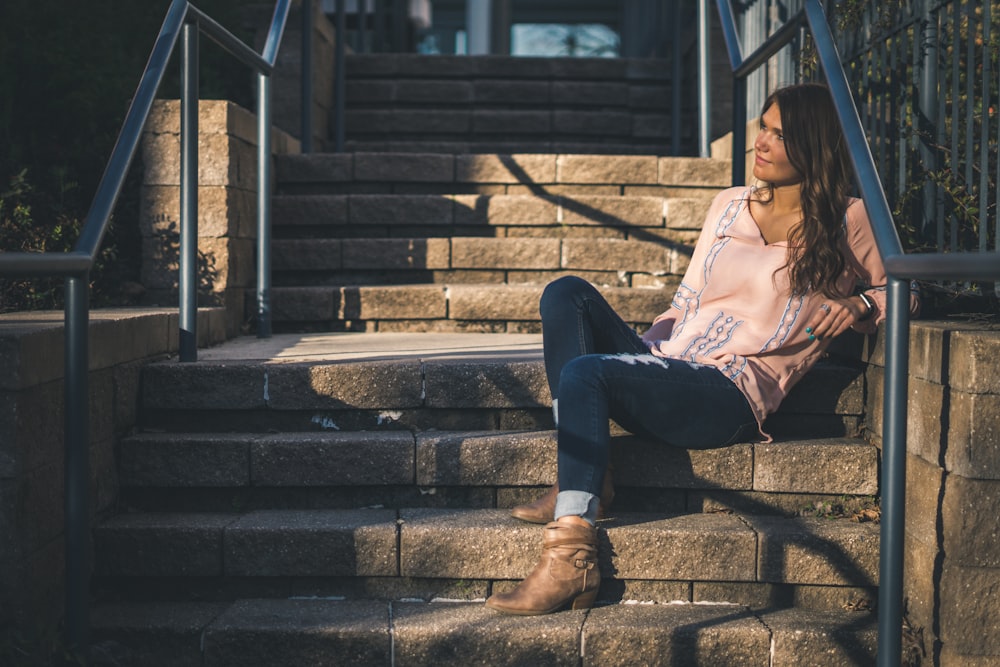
x=868, y=305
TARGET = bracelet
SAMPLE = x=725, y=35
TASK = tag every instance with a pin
x=869, y=304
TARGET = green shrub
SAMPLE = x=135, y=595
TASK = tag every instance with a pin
x=67, y=73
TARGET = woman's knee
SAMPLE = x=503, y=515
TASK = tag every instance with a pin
x=581, y=371
x=563, y=291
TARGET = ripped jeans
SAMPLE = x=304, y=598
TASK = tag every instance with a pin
x=599, y=368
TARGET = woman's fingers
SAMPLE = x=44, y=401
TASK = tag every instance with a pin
x=834, y=317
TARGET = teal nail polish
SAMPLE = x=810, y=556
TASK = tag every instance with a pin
x=809, y=329
x=811, y=337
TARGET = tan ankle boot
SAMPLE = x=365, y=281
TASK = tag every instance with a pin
x=543, y=510
x=566, y=575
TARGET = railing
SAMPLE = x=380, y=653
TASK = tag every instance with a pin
x=900, y=267
x=184, y=22
x=938, y=60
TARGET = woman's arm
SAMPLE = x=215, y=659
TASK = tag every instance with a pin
x=864, y=263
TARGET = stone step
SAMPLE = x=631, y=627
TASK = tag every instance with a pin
x=474, y=308
x=406, y=381
x=296, y=632
x=481, y=469
x=381, y=215
x=505, y=145
x=501, y=173
x=618, y=262
x=403, y=66
x=507, y=93
x=446, y=123
x=652, y=556
x=504, y=100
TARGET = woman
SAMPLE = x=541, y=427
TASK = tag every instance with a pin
x=772, y=280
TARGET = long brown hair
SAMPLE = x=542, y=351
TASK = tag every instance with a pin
x=815, y=147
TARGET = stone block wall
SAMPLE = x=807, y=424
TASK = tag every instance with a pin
x=952, y=538
x=32, y=412
x=227, y=209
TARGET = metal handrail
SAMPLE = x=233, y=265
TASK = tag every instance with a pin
x=182, y=21
x=900, y=268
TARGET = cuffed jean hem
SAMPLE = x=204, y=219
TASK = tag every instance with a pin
x=578, y=503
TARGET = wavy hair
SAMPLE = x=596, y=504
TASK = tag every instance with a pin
x=814, y=145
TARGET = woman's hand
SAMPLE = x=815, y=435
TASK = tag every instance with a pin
x=835, y=316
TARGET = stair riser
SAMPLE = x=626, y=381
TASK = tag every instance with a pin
x=526, y=173
x=499, y=213
x=400, y=66
x=358, y=278
x=497, y=260
x=501, y=93
x=628, y=499
x=508, y=308
x=507, y=467
x=760, y=596
x=382, y=387
x=485, y=544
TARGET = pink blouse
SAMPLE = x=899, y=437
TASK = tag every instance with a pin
x=734, y=312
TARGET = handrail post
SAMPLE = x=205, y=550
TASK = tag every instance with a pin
x=188, y=280
x=77, y=462
x=704, y=79
x=307, y=76
x=676, y=77
x=894, y=405
x=739, y=166
x=263, y=205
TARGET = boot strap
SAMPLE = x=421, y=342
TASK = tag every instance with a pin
x=569, y=541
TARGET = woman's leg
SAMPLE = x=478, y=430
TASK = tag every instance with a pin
x=685, y=405
x=577, y=320
x=688, y=405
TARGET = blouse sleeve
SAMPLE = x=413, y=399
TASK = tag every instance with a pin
x=865, y=262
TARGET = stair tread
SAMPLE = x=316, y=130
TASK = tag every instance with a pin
x=385, y=371
x=303, y=631
x=317, y=631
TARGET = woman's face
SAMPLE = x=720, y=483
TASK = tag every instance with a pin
x=771, y=163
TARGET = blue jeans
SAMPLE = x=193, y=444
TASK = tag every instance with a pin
x=599, y=368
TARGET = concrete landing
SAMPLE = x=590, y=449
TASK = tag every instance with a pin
x=377, y=346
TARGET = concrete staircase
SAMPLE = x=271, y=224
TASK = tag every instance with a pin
x=442, y=242
x=342, y=499
x=498, y=104
x=339, y=494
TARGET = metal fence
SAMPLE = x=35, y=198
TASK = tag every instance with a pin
x=925, y=75
x=972, y=29
x=927, y=79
